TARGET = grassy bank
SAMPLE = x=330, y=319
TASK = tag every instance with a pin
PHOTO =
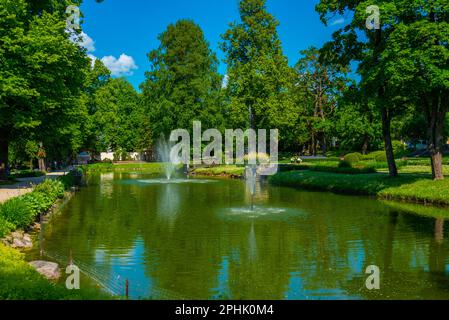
x=225, y=170
x=123, y=167
x=18, y=280
x=20, y=212
x=408, y=187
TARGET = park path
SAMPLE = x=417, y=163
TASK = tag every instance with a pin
x=25, y=185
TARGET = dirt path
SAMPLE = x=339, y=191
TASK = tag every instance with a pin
x=25, y=185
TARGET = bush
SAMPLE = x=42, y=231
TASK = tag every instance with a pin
x=27, y=174
x=20, y=212
x=381, y=157
x=344, y=164
x=353, y=157
x=399, y=149
x=5, y=227
x=16, y=212
x=37, y=202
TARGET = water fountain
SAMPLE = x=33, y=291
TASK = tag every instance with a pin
x=254, y=198
x=163, y=148
x=251, y=177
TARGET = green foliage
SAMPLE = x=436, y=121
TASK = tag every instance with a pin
x=117, y=118
x=26, y=174
x=19, y=281
x=407, y=187
x=21, y=211
x=353, y=157
x=259, y=86
x=16, y=212
x=345, y=164
x=183, y=84
x=5, y=226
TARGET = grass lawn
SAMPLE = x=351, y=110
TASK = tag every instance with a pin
x=123, y=167
x=409, y=187
x=225, y=170
x=18, y=280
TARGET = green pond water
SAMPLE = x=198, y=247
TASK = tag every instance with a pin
x=200, y=239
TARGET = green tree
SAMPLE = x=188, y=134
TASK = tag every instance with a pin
x=321, y=84
x=183, y=84
x=416, y=62
x=118, y=116
x=357, y=122
x=408, y=51
x=42, y=74
x=259, y=87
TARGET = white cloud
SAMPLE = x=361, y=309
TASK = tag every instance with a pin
x=224, y=83
x=87, y=42
x=338, y=21
x=92, y=59
x=123, y=66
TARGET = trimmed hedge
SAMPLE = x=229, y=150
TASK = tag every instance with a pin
x=353, y=157
x=27, y=174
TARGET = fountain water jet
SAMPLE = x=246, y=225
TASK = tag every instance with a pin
x=163, y=149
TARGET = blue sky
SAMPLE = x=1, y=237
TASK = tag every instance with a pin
x=123, y=32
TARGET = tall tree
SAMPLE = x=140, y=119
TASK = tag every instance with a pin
x=357, y=42
x=259, y=78
x=42, y=74
x=323, y=84
x=417, y=67
x=118, y=116
x=183, y=84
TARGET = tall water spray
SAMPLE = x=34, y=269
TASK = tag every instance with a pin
x=251, y=176
x=163, y=149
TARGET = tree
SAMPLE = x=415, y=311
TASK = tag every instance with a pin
x=355, y=42
x=259, y=87
x=417, y=67
x=407, y=51
x=183, y=84
x=357, y=122
x=42, y=74
x=118, y=116
x=323, y=84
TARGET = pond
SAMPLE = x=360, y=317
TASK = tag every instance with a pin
x=210, y=239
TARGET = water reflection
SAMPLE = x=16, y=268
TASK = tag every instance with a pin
x=173, y=241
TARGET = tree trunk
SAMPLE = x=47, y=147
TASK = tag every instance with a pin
x=313, y=145
x=386, y=131
x=436, y=133
x=324, y=145
x=4, y=167
x=365, y=145
x=386, y=118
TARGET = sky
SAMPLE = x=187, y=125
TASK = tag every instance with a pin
x=121, y=33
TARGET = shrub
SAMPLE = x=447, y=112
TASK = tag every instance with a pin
x=16, y=212
x=27, y=174
x=5, y=227
x=344, y=164
x=52, y=188
x=37, y=202
x=353, y=157
x=399, y=149
x=381, y=157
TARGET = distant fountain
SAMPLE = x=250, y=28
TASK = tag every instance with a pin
x=163, y=148
x=251, y=177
